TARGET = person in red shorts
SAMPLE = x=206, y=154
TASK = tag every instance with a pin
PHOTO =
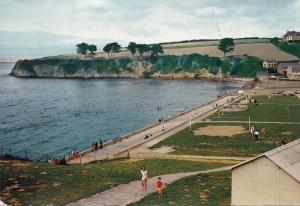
x=159, y=187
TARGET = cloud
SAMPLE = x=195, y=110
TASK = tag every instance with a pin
x=147, y=21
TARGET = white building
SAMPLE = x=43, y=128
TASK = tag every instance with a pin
x=272, y=178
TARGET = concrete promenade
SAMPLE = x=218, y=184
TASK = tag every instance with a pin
x=165, y=129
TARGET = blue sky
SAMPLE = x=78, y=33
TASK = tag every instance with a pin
x=47, y=27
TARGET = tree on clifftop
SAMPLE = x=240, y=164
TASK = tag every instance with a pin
x=107, y=48
x=92, y=48
x=142, y=48
x=226, y=45
x=155, y=49
x=116, y=48
x=82, y=48
x=112, y=48
x=132, y=46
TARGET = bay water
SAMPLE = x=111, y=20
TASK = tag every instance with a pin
x=50, y=117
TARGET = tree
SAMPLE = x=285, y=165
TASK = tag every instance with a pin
x=82, y=48
x=112, y=48
x=132, y=47
x=226, y=45
x=92, y=48
x=142, y=48
x=107, y=48
x=115, y=48
x=155, y=49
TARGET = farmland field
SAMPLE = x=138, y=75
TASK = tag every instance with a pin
x=213, y=43
x=261, y=50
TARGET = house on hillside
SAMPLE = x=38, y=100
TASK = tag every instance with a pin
x=270, y=64
x=291, y=36
x=293, y=72
x=282, y=66
x=272, y=178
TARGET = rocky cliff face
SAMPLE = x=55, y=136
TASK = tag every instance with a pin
x=134, y=69
x=56, y=71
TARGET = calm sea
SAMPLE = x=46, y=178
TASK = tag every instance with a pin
x=52, y=116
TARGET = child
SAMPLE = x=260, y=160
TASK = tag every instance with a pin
x=159, y=186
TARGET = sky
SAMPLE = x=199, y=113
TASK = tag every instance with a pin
x=49, y=27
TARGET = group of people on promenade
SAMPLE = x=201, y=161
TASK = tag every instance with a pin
x=74, y=152
x=95, y=145
x=145, y=177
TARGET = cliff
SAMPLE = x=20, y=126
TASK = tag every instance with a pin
x=169, y=67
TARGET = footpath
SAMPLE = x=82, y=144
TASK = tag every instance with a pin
x=165, y=129
x=132, y=192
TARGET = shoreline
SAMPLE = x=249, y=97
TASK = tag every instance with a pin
x=216, y=79
x=121, y=146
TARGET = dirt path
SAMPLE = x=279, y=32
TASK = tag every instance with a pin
x=196, y=158
x=131, y=192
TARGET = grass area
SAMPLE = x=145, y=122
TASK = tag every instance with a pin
x=202, y=189
x=44, y=184
x=214, y=42
x=278, y=108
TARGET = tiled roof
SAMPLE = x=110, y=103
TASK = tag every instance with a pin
x=291, y=33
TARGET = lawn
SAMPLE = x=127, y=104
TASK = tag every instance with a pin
x=278, y=108
x=187, y=143
x=202, y=189
x=28, y=183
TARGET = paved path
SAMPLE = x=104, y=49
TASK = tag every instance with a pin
x=151, y=155
x=128, y=193
x=156, y=131
x=254, y=122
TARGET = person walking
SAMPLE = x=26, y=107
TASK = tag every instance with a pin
x=96, y=146
x=101, y=146
x=144, y=174
x=159, y=187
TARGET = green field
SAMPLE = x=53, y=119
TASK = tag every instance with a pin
x=213, y=43
x=202, y=189
x=278, y=108
x=45, y=184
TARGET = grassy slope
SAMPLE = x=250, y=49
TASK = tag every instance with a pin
x=277, y=109
x=65, y=184
x=202, y=189
x=292, y=48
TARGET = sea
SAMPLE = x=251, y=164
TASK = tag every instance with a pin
x=46, y=117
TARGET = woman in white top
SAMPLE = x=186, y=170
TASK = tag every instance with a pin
x=144, y=174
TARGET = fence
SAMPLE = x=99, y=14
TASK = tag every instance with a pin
x=12, y=154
